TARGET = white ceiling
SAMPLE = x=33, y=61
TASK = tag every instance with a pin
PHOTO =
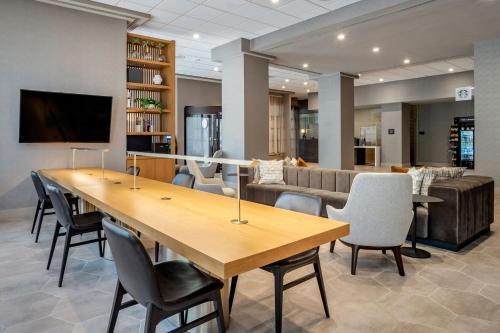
x=221, y=21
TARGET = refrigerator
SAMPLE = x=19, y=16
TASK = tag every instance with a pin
x=462, y=138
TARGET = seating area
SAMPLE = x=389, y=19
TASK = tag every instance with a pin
x=249, y=166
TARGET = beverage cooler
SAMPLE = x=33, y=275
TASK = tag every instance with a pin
x=462, y=142
x=202, y=130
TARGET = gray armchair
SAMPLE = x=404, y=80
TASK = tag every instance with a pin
x=208, y=169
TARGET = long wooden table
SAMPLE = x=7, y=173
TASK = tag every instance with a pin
x=197, y=224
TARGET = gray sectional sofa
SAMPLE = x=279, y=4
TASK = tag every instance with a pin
x=466, y=213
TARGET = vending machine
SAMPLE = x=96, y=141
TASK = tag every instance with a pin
x=462, y=142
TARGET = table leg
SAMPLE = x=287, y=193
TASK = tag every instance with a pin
x=412, y=251
x=225, y=300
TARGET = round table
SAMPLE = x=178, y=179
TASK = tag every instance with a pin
x=413, y=251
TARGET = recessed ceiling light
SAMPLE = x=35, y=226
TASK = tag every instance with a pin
x=376, y=49
x=308, y=90
x=283, y=87
x=359, y=74
x=305, y=65
x=451, y=69
x=381, y=80
x=196, y=35
x=275, y=1
x=287, y=80
x=216, y=69
x=341, y=36
x=406, y=61
x=305, y=83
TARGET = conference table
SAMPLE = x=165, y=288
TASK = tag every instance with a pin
x=197, y=225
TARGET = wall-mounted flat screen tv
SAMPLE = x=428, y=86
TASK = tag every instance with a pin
x=62, y=117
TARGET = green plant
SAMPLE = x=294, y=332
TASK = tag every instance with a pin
x=145, y=102
x=135, y=41
x=159, y=46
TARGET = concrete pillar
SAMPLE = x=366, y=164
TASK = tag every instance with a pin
x=486, y=107
x=245, y=101
x=395, y=123
x=336, y=121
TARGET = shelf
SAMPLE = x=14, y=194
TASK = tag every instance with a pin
x=145, y=86
x=142, y=110
x=147, y=63
x=147, y=133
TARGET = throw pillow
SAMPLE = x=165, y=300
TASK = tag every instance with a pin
x=301, y=162
x=417, y=176
x=429, y=178
x=271, y=172
x=255, y=166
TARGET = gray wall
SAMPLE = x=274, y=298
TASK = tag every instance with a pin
x=430, y=88
x=487, y=107
x=194, y=93
x=434, y=120
x=45, y=47
x=395, y=147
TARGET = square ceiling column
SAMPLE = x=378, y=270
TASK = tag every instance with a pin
x=336, y=121
x=245, y=101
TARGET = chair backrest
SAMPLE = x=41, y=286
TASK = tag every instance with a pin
x=40, y=189
x=378, y=209
x=299, y=202
x=185, y=180
x=61, y=206
x=195, y=171
x=133, y=265
x=130, y=170
x=209, y=171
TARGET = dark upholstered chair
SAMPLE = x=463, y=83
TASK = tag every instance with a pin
x=75, y=225
x=185, y=180
x=165, y=289
x=181, y=179
x=44, y=203
x=130, y=170
x=307, y=204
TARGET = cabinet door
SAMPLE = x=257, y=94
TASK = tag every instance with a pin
x=164, y=169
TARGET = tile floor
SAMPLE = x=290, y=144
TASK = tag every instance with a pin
x=450, y=292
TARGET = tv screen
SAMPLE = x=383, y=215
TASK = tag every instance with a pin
x=62, y=117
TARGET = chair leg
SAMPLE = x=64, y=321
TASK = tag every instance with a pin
x=36, y=216
x=117, y=302
x=399, y=260
x=54, y=241
x=321, y=285
x=354, y=259
x=278, y=300
x=232, y=291
x=332, y=246
x=101, y=248
x=157, y=251
x=40, y=220
x=384, y=251
x=65, y=256
x=220, y=313
x=153, y=317
x=77, y=208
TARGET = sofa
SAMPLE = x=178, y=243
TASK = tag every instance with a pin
x=465, y=214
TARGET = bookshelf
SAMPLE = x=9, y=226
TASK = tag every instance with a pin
x=150, y=103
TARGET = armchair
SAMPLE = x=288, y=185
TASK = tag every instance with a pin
x=213, y=185
x=208, y=169
x=379, y=211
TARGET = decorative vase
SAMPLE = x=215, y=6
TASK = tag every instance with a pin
x=162, y=57
x=150, y=106
x=157, y=79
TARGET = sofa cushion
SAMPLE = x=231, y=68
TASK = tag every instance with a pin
x=303, y=177
x=334, y=199
x=328, y=180
x=315, y=178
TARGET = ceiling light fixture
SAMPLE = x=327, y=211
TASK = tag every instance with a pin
x=381, y=80
x=216, y=69
x=308, y=90
x=305, y=65
x=196, y=35
x=376, y=49
x=451, y=69
x=406, y=61
x=275, y=1
x=287, y=80
x=341, y=36
x=283, y=87
x=305, y=83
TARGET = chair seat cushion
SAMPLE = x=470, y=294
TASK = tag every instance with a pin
x=296, y=259
x=181, y=281
x=91, y=220
x=228, y=191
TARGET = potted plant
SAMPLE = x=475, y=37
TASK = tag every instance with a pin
x=149, y=103
x=160, y=47
x=135, y=45
x=145, y=48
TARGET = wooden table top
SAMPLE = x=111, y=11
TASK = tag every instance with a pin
x=197, y=224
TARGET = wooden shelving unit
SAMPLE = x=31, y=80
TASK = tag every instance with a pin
x=149, y=57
